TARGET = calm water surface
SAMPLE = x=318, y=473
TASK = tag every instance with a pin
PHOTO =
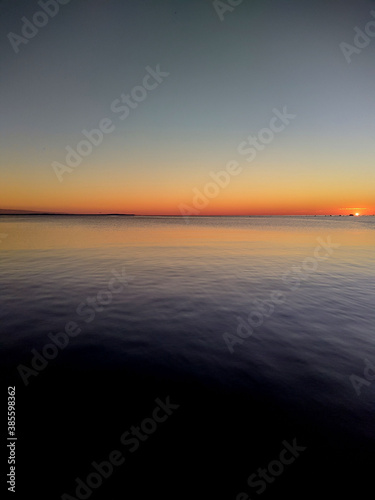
x=187, y=286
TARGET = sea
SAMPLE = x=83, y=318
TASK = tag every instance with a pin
x=255, y=333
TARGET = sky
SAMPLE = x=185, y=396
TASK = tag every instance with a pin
x=176, y=89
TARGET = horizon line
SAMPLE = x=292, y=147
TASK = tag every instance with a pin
x=30, y=212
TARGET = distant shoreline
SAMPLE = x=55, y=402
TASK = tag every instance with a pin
x=61, y=214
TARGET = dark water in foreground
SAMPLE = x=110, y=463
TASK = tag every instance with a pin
x=154, y=300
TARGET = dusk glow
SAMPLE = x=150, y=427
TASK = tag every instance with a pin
x=102, y=113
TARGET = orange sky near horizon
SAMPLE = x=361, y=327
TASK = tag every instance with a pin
x=233, y=200
x=253, y=191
